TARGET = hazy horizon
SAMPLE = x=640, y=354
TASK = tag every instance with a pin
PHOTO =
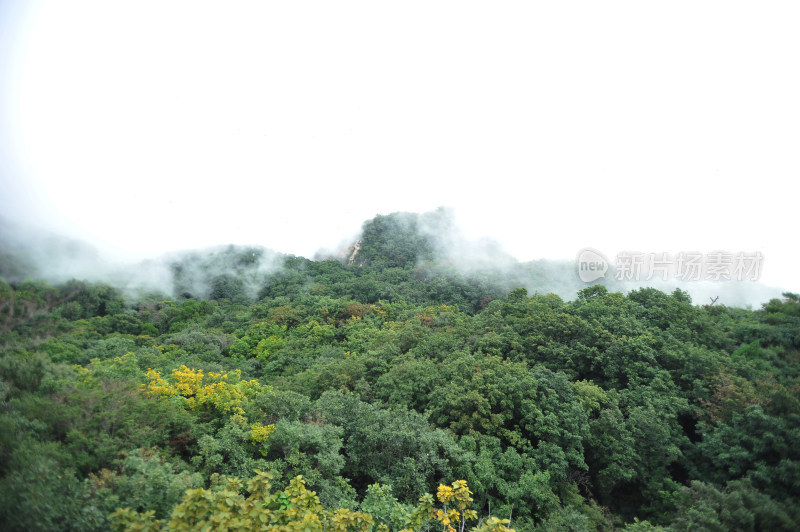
x=144, y=128
x=59, y=258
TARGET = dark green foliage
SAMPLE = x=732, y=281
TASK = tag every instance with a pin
x=396, y=447
x=393, y=241
x=757, y=446
x=142, y=480
x=737, y=506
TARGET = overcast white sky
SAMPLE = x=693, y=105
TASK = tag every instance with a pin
x=146, y=126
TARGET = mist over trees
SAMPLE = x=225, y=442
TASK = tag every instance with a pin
x=415, y=381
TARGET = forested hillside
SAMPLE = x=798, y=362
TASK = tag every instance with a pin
x=391, y=389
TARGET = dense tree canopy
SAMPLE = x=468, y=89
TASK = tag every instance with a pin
x=391, y=393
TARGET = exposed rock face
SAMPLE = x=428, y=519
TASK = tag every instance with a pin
x=356, y=248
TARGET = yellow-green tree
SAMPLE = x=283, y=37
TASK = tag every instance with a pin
x=226, y=508
x=221, y=393
x=454, y=513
